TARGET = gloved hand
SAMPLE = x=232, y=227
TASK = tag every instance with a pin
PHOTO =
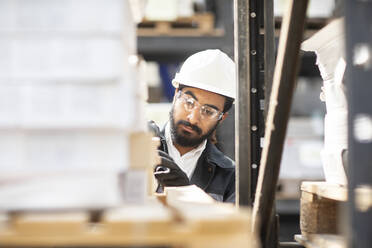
x=168, y=173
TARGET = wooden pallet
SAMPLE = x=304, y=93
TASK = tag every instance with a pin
x=322, y=240
x=197, y=25
x=326, y=190
x=319, y=217
x=320, y=207
x=180, y=221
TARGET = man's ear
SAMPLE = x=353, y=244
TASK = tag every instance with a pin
x=224, y=116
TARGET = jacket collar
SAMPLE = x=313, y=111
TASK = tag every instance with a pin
x=206, y=166
x=215, y=156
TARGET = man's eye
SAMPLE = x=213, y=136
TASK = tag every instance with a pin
x=208, y=112
x=189, y=102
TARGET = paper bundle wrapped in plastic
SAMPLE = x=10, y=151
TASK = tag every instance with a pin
x=328, y=44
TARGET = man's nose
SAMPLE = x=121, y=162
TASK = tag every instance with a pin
x=194, y=116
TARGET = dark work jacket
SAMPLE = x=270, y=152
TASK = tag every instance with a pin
x=214, y=172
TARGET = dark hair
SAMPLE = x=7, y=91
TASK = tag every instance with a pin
x=228, y=100
x=228, y=103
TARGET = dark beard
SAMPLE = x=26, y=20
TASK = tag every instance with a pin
x=183, y=138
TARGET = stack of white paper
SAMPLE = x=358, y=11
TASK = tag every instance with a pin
x=328, y=44
x=78, y=189
x=69, y=97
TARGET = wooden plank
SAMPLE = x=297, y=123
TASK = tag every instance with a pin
x=285, y=74
x=197, y=25
x=199, y=224
x=207, y=216
x=49, y=223
x=143, y=156
x=138, y=220
x=143, y=143
x=328, y=190
x=176, y=234
x=321, y=241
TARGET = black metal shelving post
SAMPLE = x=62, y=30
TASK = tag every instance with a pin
x=250, y=59
x=358, y=28
x=243, y=121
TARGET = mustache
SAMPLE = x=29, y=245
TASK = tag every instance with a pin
x=188, y=124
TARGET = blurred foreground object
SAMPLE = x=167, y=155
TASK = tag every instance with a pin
x=70, y=98
x=182, y=217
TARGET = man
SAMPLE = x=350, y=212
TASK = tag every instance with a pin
x=205, y=91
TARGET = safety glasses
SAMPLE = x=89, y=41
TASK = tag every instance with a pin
x=206, y=112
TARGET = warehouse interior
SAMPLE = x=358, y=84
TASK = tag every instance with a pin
x=81, y=79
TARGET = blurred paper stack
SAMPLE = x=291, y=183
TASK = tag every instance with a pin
x=315, y=9
x=328, y=45
x=69, y=99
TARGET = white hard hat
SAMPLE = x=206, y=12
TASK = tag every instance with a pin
x=210, y=70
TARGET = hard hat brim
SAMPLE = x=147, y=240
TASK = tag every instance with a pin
x=201, y=86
